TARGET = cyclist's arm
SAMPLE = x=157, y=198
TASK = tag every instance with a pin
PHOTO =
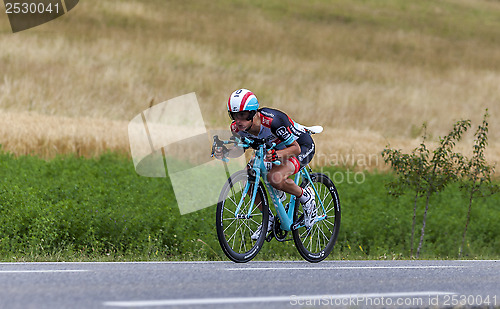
x=235, y=152
x=231, y=152
x=282, y=128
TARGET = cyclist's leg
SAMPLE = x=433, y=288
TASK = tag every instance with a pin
x=308, y=199
x=278, y=177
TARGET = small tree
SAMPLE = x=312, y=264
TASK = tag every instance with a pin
x=442, y=169
x=409, y=168
x=476, y=173
x=425, y=176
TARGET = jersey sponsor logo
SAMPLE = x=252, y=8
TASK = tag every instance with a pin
x=303, y=156
x=266, y=113
x=283, y=133
x=266, y=121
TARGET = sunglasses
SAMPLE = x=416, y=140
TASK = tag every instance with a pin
x=244, y=115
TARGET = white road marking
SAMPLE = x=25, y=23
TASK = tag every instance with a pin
x=42, y=271
x=342, y=267
x=292, y=298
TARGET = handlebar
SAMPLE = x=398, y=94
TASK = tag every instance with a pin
x=245, y=142
x=219, y=143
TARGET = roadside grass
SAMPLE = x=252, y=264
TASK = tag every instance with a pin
x=75, y=209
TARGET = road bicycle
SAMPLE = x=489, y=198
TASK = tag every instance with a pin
x=243, y=207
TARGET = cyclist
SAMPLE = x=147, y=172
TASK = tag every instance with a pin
x=295, y=148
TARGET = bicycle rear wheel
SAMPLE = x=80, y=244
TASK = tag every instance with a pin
x=234, y=231
x=315, y=244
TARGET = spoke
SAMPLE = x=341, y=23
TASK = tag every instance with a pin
x=252, y=221
x=327, y=208
x=256, y=222
x=229, y=210
x=242, y=243
x=245, y=222
x=311, y=241
x=324, y=235
x=235, y=196
x=234, y=220
x=257, y=206
x=231, y=199
x=328, y=221
x=319, y=199
x=234, y=233
x=318, y=242
x=233, y=237
x=317, y=237
x=307, y=241
x=326, y=225
x=321, y=192
x=226, y=208
x=304, y=234
x=307, y=234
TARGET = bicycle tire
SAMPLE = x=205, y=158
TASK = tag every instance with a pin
x=234, y=233
x=315, y=245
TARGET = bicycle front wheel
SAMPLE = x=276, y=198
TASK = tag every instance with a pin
x=315, y=244
x=234, y=230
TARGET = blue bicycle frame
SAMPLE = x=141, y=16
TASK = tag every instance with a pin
x=259, y=169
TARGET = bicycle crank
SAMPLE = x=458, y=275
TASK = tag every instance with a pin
x=279, y=234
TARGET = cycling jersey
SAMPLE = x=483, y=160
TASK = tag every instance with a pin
x=276, y=127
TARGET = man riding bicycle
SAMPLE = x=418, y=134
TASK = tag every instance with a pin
x=295, y=148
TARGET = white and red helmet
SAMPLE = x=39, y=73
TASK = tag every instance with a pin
x=242, y=100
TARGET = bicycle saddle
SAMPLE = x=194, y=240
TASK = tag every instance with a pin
x=312, y=129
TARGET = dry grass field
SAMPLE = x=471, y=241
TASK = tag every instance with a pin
x=371, y=72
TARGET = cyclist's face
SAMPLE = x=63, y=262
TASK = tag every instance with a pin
x=241, y=120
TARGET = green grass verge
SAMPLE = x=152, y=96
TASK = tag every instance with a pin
x=77, y=209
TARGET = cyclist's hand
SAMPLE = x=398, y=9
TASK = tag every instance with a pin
x=272, y=155
x=219, y=153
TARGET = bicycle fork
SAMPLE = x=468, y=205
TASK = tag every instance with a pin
x=253, y=177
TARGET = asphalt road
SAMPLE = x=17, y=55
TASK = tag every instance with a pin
x=393, y=284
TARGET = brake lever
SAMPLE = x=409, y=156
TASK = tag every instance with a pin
x=216, y=143
x=219, y=143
